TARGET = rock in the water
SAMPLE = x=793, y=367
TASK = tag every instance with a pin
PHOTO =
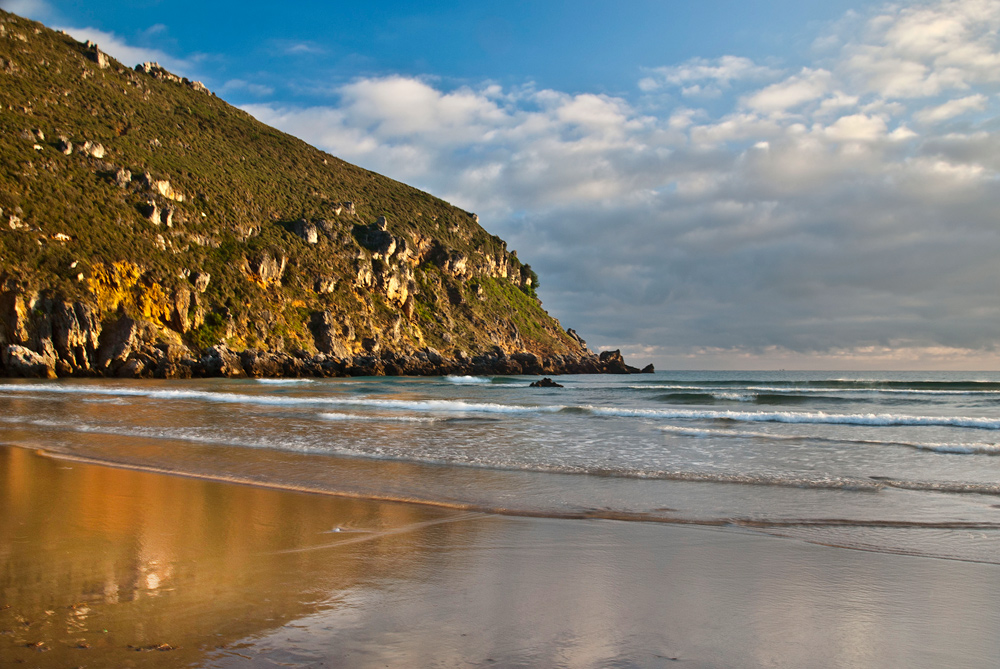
x=648, y=369
x=545, y=383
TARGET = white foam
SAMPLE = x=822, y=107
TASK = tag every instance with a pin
x=359, y=417
x=468, y=379
x=787, y=390
x=283, y=382
x=814, y=417
x=735, y=397
x=450, y=406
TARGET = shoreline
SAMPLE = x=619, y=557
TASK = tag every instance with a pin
x=135, y=360
x=106, y=565
x=771, y=528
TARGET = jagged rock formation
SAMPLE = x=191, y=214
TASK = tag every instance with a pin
x=147, y=228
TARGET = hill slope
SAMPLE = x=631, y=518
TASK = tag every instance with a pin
x=148, y=227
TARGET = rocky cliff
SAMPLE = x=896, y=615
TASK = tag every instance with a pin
x=148, y=228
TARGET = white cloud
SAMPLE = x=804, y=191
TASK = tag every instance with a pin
x=698, y=71
x=926, y=49
x=804, y=87
x=807, y=219
x=856, y=128
x=952, y=108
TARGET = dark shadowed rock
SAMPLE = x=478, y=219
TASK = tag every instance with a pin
x=545, y=383
x=221, y=361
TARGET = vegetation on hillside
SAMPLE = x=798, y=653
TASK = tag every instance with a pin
x=122, y=187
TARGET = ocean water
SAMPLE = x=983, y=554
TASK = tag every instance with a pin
x=889, y=462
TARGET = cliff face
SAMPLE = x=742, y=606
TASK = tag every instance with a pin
x=147, y=227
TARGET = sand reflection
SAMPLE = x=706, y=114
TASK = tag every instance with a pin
x=110, y=567
x=98, y=562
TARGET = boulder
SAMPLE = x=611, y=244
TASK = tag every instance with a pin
x=220, y=361
x=269, y=268
x=306, y=230
x=92, y=149
x=22, y=361
x=545, y=383
x=200, y=280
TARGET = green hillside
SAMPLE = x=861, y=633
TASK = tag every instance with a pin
x=142, y=195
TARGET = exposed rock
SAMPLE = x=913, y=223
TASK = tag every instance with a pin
x=97, y=55
x=306, y=230
x=200, y=87
x=268, y=268
x=545, y=383
x=613, y=363
x=331, y=336
x=220, y=361
x=21, y=361
x=325, y=284
x=376, y=238
x=572, y=333
x=123, y=177
x=154, y=70
x=65, y=146
x=119, y=341
x=151, y=210
x=200, y=281
x=648, y=369
x=180, y=306
x=92, y=149
x=245, y=231
x=163, y=187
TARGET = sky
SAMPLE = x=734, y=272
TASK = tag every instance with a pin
x=713, y=184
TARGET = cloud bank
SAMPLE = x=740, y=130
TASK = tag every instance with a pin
x=846, y=211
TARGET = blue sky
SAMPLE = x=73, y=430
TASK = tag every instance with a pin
x=710, y=184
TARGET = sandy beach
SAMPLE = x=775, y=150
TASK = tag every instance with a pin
x=101, y=566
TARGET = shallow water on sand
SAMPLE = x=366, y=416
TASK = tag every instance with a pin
x=101, y=566
x=900, y=463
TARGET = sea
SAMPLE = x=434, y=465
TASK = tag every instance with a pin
x=894, y=462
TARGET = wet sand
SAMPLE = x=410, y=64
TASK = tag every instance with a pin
x=102, y=566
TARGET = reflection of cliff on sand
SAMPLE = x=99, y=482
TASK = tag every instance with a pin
x=96, y=562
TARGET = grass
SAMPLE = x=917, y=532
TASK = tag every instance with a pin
x=236, y=174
